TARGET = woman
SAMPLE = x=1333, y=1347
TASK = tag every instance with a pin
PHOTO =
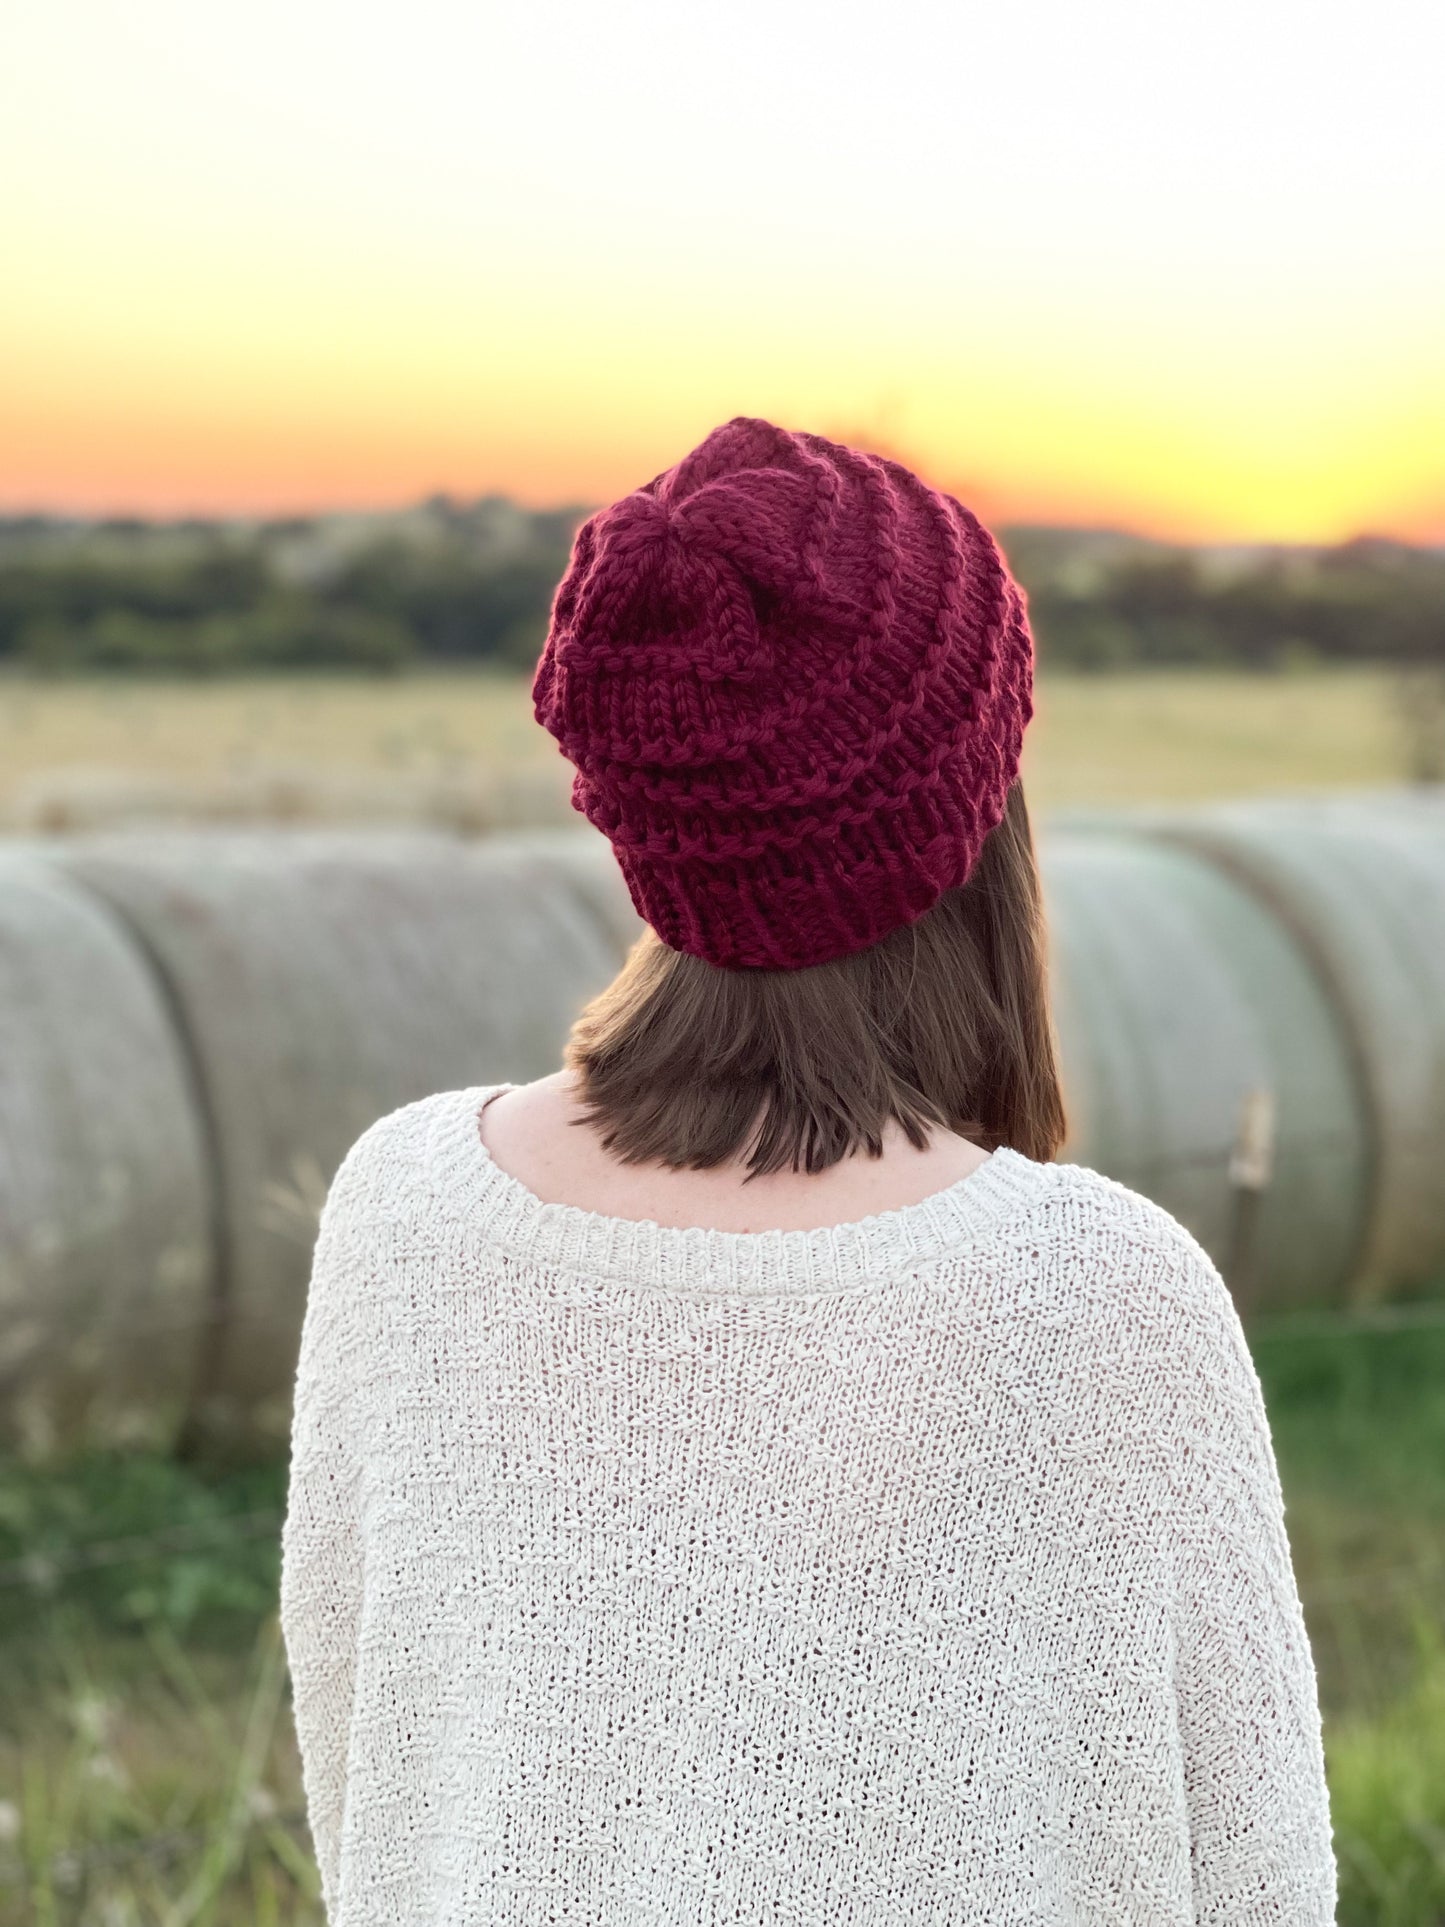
x=741, y=1478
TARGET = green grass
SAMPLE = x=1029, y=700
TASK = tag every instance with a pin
x=147, y=1766
x=1386, y=1773
x=148, y=1771
x=1359, y=1431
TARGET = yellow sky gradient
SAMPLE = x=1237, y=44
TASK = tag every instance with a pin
x=1181, y=269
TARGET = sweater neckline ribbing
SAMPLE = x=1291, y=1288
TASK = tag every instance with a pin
x=704, y=1260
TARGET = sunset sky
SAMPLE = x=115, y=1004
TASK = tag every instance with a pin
x=1173, y=267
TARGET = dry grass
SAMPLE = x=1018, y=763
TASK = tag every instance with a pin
x=1189, y=735
x=461, y=746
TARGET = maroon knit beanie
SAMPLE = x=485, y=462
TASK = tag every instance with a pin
x=794, y=682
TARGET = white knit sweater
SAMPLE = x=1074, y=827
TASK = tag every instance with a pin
x=929, y=1569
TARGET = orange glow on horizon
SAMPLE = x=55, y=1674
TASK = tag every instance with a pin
x=1128, y=291
x=264, y=448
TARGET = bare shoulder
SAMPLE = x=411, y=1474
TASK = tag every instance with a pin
x=532, y=1131
x=546, y=1103
x=535, y=1124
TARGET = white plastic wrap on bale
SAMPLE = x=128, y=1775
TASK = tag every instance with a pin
x=583, y=857
x=1178, y=997
x=323, y=979
x=105, y=1229
x=1362, y=890
x=195, y=1025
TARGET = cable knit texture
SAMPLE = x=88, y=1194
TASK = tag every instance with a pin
x=929, y=1569
x=794, y=681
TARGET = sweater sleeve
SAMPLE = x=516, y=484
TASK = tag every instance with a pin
x=1248, y=1709
x=321, y=1545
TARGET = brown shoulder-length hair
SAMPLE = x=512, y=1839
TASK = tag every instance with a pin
x=944, y=1023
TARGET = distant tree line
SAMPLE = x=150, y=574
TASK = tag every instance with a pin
x=1367, y=600
x=442, y=581
x=453, y=582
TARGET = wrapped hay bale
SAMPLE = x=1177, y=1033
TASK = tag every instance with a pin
x=583, y=859
x=1194, y=1037
x=322, y=979
x=1359, y=884
x=194, y=1025
x=106, y=1201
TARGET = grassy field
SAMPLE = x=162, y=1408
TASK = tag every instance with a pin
x=148, y=1772
x=464, y=746
x=148, y=1775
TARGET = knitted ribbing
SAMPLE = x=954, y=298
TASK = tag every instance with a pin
x=794, y=682
x=928, y=1570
